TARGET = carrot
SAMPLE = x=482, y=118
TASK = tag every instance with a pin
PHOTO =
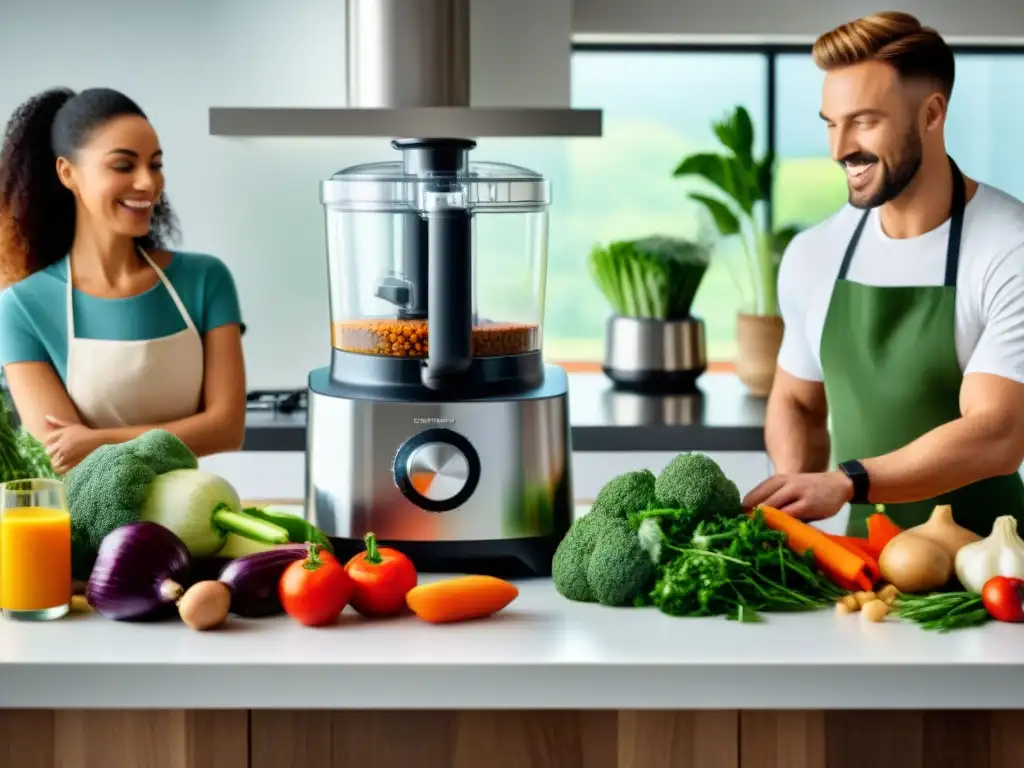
x=881, y=530
x=845, y=568
x=460, y=598
x=860, y=547
x=854, y=541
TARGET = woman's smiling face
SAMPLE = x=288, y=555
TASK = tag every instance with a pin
x=117, y=176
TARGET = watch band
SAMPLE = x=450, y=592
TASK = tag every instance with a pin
x=859, y=477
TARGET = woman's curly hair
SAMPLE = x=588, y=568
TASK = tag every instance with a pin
x=37, y=212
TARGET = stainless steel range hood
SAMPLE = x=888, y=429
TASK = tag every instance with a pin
x=408, y=65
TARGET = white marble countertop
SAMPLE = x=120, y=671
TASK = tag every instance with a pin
x=542, y=652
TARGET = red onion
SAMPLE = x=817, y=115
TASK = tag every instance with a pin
x=140, y=571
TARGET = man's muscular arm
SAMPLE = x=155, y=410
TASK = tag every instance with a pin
x=796, y=425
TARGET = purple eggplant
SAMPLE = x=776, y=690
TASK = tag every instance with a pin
x=253, y=580
x=140, y=572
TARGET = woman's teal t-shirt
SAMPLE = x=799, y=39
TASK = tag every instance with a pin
x=33, y=311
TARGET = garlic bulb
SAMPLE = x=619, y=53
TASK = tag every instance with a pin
x=1001, y=554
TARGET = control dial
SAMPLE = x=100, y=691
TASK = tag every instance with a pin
x=437, y=470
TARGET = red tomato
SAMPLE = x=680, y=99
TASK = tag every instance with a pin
x=315, y=591
x=382, y=578
x=1003, y=598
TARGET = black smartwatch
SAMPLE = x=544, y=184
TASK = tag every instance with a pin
x=854, y=470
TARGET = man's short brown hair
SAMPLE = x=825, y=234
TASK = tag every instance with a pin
x=898, y=39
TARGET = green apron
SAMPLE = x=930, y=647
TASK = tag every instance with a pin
x=891, y=374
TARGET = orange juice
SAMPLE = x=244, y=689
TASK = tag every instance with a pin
x=35, y=558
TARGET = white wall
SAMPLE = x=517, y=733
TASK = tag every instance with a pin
x=255, y=203
x=785, y=20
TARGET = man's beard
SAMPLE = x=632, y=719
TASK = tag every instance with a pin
x=895, y=179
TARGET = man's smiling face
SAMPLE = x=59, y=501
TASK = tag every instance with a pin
x=874, y=132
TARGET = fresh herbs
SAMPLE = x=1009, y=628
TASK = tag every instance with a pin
x=22, y=457
x=942, y=611
x=733, y=566
x=651, y=278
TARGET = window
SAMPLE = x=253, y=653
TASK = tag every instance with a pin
x=809, y=185
x=985, y=114
x=982, y=132
x=658, y=107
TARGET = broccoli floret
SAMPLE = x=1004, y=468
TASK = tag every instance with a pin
x=619, y=567
x=106, y=490
x=569, y=565
x=695, y=482
x=162, y=451
x=625, y=494
x=605, y=559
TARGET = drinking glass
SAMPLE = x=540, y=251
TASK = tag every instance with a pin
x=35, y=550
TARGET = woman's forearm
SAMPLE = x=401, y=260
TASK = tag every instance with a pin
x=205, y=433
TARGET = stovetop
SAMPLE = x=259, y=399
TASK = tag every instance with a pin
x=276, y=401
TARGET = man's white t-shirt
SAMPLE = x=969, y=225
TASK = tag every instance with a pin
x=989, y=333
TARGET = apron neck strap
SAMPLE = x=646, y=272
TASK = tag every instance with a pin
x=159, y=273
x=170, y=289
x=957, y=207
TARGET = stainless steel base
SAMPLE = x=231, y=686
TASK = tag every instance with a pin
x=662, y=356
x=441, y=472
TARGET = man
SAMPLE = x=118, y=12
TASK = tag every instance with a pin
x=904, y=311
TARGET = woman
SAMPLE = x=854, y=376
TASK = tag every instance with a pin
x=105, y=334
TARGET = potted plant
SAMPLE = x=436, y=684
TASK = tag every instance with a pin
x=743, y=184
x=652, y=341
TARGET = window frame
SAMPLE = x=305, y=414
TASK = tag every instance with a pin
x=771, y=53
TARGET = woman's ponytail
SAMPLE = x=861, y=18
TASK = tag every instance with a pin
x=37, y=213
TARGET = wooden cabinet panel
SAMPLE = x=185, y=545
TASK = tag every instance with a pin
x=508, y=739
x=120, y=739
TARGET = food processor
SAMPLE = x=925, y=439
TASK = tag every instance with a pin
x=437, y=424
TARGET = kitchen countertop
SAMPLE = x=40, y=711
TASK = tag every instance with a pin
x=542, y=652
x=722, y=417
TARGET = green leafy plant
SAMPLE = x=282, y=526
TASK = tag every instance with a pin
x=655, y=277
x=744, y=183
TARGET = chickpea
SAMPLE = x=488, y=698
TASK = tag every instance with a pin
x=842, y=609
x=888, y=594
x=864, y=597
x=851, y=603
x=874, y=611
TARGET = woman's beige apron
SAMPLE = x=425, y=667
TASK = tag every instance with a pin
x=116, y=383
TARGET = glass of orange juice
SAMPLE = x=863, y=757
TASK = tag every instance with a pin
x=35, y=550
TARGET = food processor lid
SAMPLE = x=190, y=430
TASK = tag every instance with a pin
x=404, y=184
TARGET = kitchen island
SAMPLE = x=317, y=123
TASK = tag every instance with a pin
x=546, y=683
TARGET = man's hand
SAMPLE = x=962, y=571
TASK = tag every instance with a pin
x=806, y=496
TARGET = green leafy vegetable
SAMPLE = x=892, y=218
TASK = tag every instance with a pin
x=21, y=456
x=651, y=278
x=733, y=566
x=680, y=541
x=942, y=611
